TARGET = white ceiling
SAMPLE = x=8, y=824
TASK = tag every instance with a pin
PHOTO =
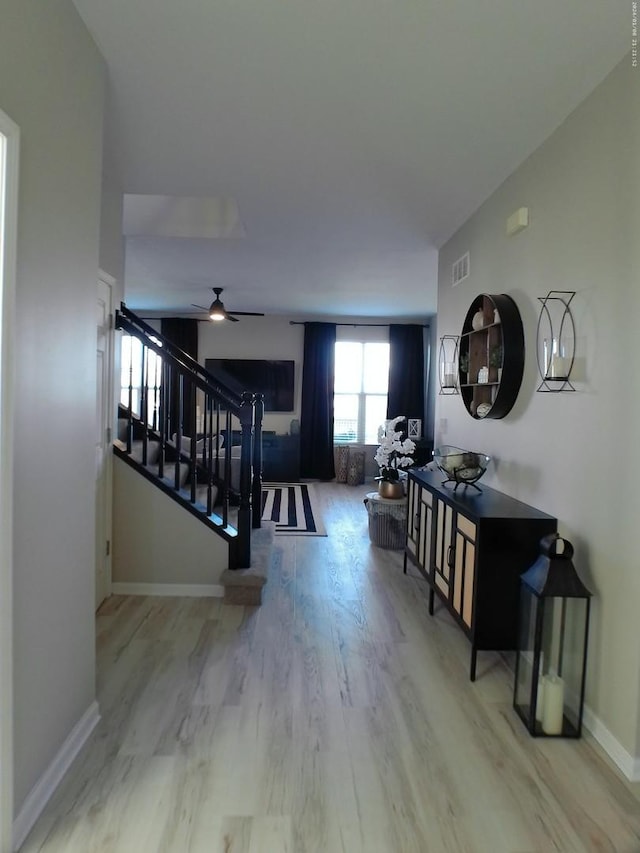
x=350, y=137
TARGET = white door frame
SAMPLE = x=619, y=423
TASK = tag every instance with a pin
x=9, y=172
x=105, y=280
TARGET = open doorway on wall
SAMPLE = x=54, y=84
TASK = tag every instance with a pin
x=9, y=148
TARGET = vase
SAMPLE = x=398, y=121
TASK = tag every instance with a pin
x=477, y=321
x=391, y=490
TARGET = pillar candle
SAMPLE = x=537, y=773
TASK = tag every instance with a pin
x=559, y=367
x=552, y=705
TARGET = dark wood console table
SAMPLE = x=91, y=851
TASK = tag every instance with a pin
x=472, y=549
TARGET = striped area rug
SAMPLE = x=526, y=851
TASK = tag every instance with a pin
x=294, y=508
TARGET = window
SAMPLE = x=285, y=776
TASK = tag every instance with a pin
x=360, y=391
x=131, y=378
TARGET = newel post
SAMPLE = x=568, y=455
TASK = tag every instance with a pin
x=256, y=485
x=244, y=509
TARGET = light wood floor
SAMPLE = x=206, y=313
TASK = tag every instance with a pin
x=337, y=717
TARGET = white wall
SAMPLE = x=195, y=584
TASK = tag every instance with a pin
x=52, y=84
x=257, y=337
x=572, y=454
x=156, y=541
x=275, y=337
x=111, y=239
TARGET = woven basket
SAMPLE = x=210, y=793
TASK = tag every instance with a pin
x=355, y=472
x=341, y=461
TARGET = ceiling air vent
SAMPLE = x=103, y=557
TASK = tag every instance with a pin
x=460, y=269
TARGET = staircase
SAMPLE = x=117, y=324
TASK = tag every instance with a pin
x=176, y=431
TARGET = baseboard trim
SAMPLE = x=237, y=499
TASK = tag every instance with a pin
x=627, y=763
x=183, y=590
x=45, y=787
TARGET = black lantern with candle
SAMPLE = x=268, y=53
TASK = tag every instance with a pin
x=551, y=659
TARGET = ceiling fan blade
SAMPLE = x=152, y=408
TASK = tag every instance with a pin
x=218, y=306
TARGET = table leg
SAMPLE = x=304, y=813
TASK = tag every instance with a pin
x=474, y=657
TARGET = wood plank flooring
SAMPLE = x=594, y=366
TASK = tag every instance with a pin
x=337, y=717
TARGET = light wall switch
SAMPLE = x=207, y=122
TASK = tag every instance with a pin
x=444, y=425
x=517, y=221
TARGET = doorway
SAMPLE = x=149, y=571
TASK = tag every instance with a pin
x=103, y=452
x=9, y=155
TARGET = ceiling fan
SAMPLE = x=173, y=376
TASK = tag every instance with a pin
x=218, y=312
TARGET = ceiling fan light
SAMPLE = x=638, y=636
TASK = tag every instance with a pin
x=216, y=309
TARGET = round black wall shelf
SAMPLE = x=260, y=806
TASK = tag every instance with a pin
x=491, y=361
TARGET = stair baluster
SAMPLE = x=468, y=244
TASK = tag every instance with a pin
x=168, y=377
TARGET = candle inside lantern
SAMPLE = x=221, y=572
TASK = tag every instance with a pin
x=553, y=704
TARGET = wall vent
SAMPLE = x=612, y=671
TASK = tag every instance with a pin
x=460, y=269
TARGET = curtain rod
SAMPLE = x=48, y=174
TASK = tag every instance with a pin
x=175, y=317
x=354, y=325
x=293, y=322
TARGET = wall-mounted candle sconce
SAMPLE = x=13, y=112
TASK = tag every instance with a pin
x=448, y=364
x=556, y=341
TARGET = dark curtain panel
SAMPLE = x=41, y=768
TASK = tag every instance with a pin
x=316, y=418
x=184, y=334
x=406, y=372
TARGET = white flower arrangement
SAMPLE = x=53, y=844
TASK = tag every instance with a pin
x=393, y=453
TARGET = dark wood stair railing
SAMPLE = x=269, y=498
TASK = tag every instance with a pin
x=156, y=417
